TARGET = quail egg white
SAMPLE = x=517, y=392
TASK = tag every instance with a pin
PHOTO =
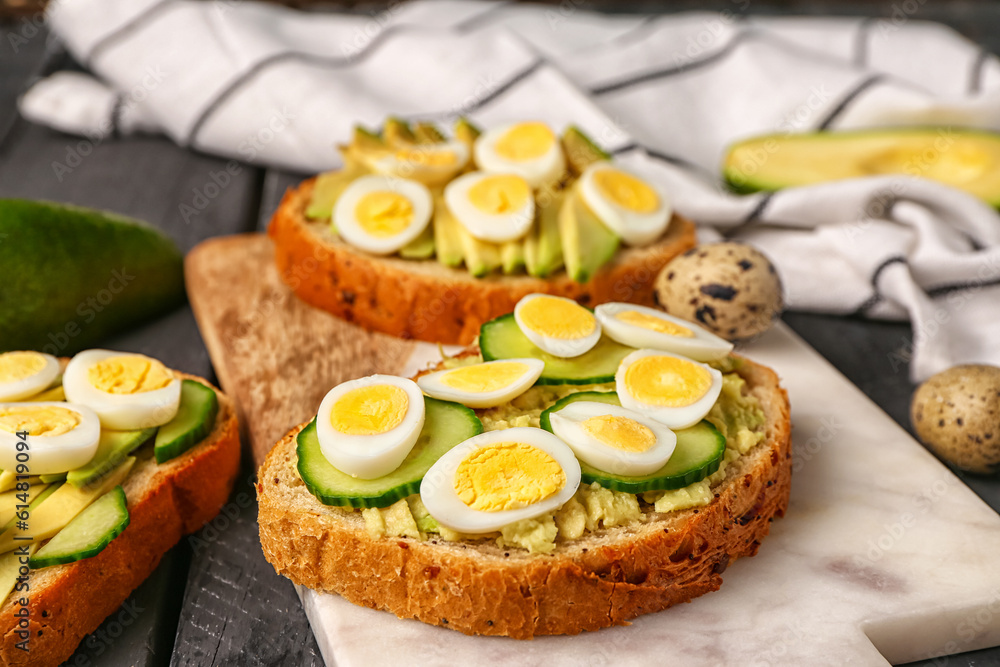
x=673, y=390
x=557, y=325
x=630, y=206
x=127, y=391
x=491, y=207
x=366, y=427
x=641, y=326
x=381, y=214
x=483, y=385
x=613, y=439
x=24, y=374
x=530, y=149
x=499, y=477
x=61, y=436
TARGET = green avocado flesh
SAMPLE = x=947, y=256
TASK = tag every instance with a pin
x=445, y=425
x=699, y=452
x=74, y=276
x=503, y=339
x=88, y=533
x=112, y=449
x=966, y=159
x=564, y=232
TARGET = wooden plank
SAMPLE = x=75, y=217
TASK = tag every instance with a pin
x=275, y=355
x=236, y=610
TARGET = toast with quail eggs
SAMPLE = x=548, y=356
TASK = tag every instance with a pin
x=108, y=460
x=427, y=237
x=546, y=481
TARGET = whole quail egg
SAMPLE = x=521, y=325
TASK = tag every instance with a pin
x=731, y=289
x=957, y=414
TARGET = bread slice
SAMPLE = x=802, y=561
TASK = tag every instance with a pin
x=425, y=300
x=165, y=502
x=602, y=579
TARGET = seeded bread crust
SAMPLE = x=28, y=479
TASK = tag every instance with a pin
x=165, y=502
x=425, y=300
x=602, y=579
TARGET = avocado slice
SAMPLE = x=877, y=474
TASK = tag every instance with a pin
x=112, y=449
x=428, y=133
x=966, y=159
x=466, y=132
x=543, y=254
x=75, y=276
x=587, y=242
x=512, y=256
x=421, y=247
x=328, y=188
x=481, y=257
x=581, y=151
x=49, y=513
x=398, y=133
x=447, y=242
x=9, y=500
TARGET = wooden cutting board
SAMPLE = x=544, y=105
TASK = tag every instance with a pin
x=883, y=555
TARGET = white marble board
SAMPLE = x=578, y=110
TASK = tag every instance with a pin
x=884, y=556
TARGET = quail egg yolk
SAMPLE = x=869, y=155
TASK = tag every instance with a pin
x=483, y=378
x=507, y=475
x=500, y=195
x=16, y=366
x=525, y=141
x=39, y=421
x=667, y=381
x=620, y=432
x=383, y=214
x=659, y=325
x=129, y=374
x=369, y=410
x=626, y=191
x=557, y=318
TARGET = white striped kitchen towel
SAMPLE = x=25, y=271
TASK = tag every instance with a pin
x=666, y=94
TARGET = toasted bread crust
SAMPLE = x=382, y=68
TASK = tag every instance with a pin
x=597, y=581
x=165, y=501
x=425, y=300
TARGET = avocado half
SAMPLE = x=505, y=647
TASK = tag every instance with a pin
x=963, y=158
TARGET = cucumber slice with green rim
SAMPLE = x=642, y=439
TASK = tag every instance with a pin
x=194, y=420
x=502, y=339
x=88, y=533
x=609, y=397
x=112, y=449
x=698, y=454
x=445, y=425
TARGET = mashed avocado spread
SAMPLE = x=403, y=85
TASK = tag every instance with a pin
x=736, y=414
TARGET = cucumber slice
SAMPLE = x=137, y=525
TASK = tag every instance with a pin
x=445, y=425
x=112, y=449
x=502, y=339
x=88, y=533
x=698, y=454
x=193, y=422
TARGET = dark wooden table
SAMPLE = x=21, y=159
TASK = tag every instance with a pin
x=214, y=600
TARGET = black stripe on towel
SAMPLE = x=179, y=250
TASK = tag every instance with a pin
x=495, y=94
x=126, y=29
x=943, y=290
x=753, y=216
x=861, y=39
x=876, y=296
x=852, y=95
x=976, y=73
x=715, y=57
